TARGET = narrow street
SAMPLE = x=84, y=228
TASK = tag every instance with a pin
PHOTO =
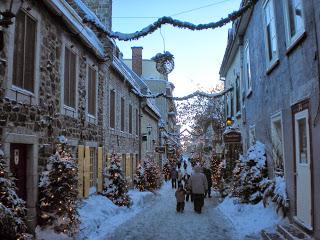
x=160, y=220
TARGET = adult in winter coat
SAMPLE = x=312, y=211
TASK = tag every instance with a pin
x=174, y=175
x=199, y=185
x=207, y=172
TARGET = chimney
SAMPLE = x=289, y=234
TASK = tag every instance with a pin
x=137, y=60
x=103, y=9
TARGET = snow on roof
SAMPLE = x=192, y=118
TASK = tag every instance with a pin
x=71, y=17
x=153, y=107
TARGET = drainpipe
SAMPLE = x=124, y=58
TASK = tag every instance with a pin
x=318, y=60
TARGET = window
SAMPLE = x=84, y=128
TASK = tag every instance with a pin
x=122, y=114
x=123, y=163
x=93, y=166
x=252, y=135
x=24, y=52
x=130, y=118
x=112, y=108
x=277, y=144
x=270, y=32
x=238, y=108
x=92, y=91
x=294, y=20
x=70, y=78
x=247, y=70
x=137, y=122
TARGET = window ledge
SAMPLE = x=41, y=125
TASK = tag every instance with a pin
x=91, y=119
x=272, y=66
x=249, y=92
x=294, y=43
x=69, y=111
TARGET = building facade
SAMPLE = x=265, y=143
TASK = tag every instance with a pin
x=278, y=44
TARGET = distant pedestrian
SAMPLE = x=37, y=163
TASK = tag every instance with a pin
x=185, y=165
x=198, y=185
x=179, y=177
x=188, y=190
x=180, y=194
x=174, y=175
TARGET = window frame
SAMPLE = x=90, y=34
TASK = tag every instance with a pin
x=112, y=115
x=90, y=116
x=122, y=114
x=13, y=91
x=247, y=71
x=275, y=58
x=65, y=109
x=130, y=118
x=277, y=117
x=291, y=41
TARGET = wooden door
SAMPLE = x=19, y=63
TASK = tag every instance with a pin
x=18, y=168
x=303, y=172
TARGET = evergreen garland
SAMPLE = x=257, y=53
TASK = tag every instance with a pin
x=59, y=193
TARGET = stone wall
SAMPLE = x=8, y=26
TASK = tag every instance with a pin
x=122, y=141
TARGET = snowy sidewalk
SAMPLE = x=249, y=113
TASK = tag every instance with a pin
x=161, y=221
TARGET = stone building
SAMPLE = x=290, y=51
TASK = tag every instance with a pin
x=274, y=54
x=53, y=76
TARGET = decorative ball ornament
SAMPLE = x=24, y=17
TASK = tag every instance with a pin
x=164, y=62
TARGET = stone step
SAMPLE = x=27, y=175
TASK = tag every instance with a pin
x=291, y=232
x=271, y=235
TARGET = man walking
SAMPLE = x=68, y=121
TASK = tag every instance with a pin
x=198, y=185
x=174, y=175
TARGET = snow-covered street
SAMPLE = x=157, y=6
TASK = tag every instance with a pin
x=160, y=220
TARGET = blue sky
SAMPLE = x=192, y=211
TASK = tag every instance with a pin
x=198, y=54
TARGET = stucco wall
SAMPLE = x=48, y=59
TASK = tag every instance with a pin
x=296, y=77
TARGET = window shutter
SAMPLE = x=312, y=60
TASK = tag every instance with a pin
x=66, y=76
x=100, y=168
x=29, y=60
x=72, y=93
x=112, y=108
x=128, y=165
x=86, y=172
x=80, y=169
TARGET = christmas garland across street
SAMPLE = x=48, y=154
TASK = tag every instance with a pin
x=89, y=18
x=192, y=95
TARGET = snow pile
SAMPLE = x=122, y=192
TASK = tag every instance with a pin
x=249, y=219
x=99, y=216
x=256, y=152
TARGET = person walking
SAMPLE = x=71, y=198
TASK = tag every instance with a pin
x=207, y=172
x=179, y=177
x=180, y=193
x=185, y=165
x=174, y=175
x=199, y=185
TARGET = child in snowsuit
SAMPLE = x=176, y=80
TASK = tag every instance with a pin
x=180, y=193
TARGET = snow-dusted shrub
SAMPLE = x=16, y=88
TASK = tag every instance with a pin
x=115, y=184
x=250, y=175
x=277, y=192
x=58, y=192
x=152, y=174
x=12, y=208
x=139, y=179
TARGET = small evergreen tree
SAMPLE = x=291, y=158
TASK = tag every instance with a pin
x=216, y=171
x=139, y=180
x=59, y=192
x=12, y=208
x=152, y=174
x=115, y=184
x=251, y=175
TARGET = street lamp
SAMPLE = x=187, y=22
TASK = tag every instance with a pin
x=229, y=121
x=8, y=14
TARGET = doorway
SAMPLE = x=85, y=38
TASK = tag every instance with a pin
x=303, y=169
x=18, y=168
